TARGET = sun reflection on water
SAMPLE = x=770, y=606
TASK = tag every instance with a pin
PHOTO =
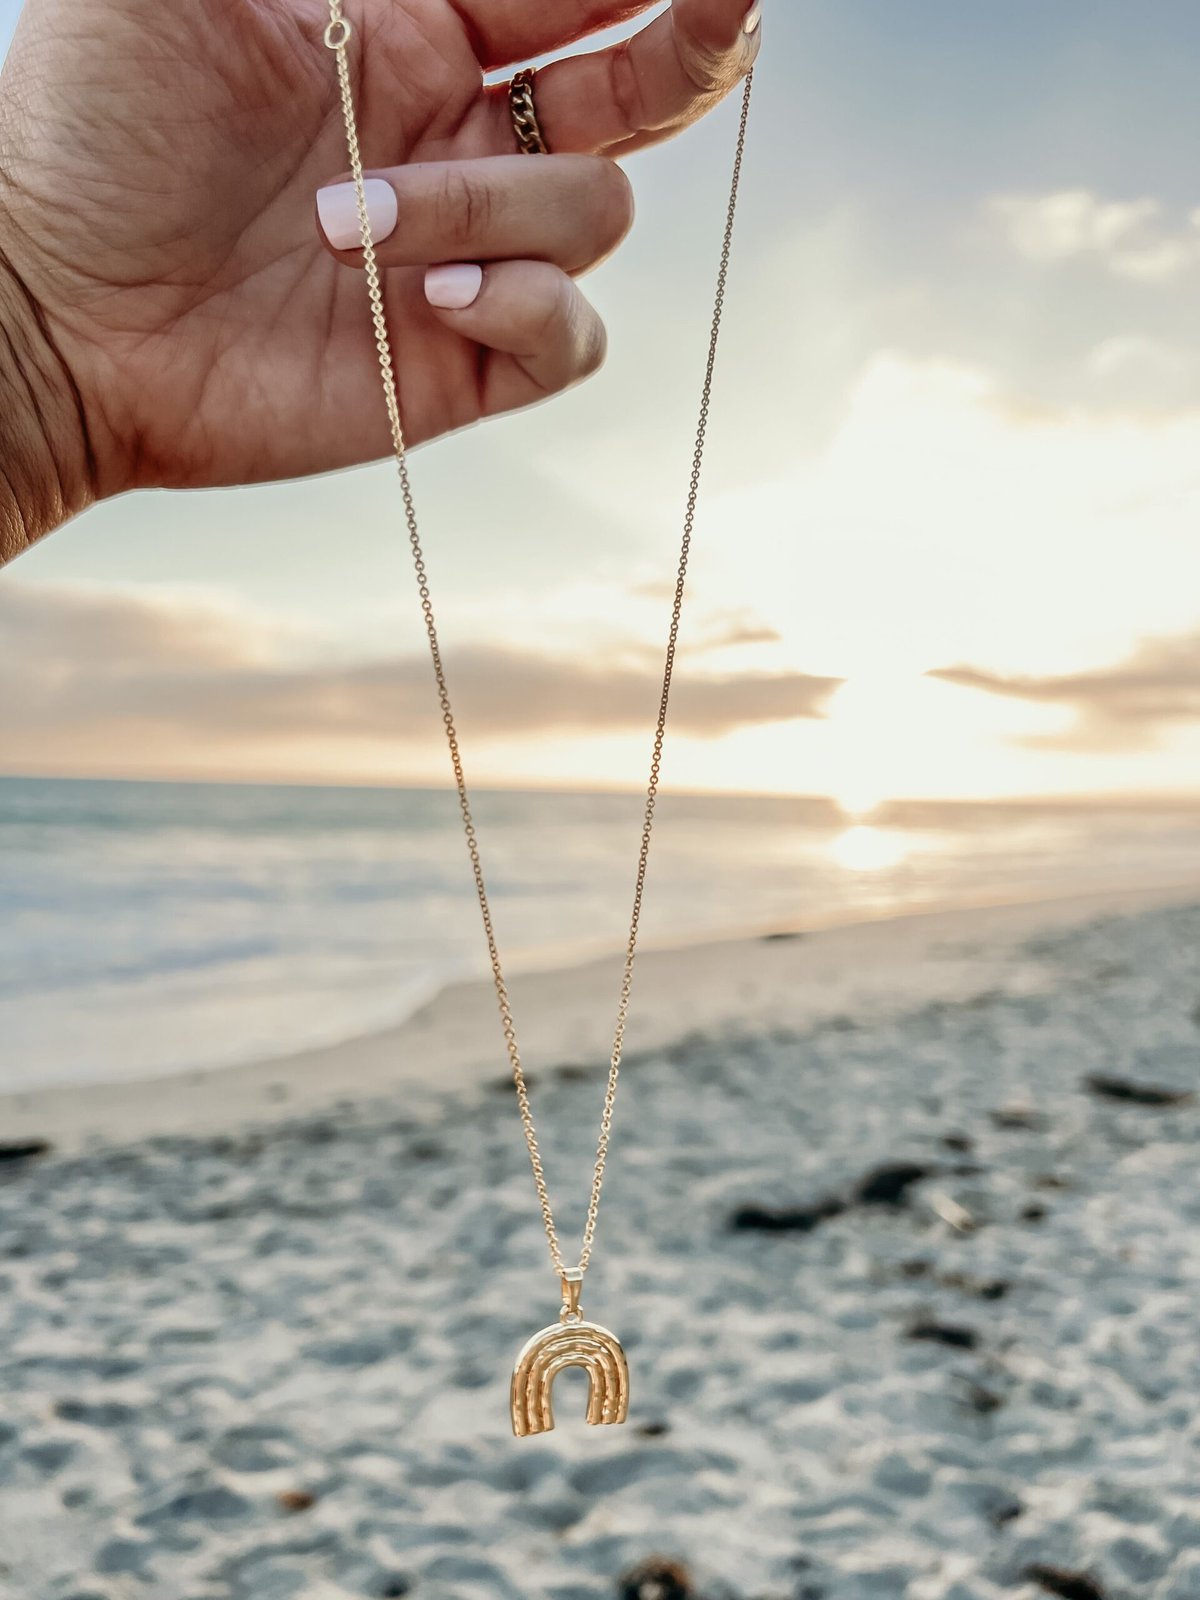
x=863, y=848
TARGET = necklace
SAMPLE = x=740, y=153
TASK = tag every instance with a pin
x=572, y=1341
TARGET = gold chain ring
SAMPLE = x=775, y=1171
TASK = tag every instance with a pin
x=524, y=114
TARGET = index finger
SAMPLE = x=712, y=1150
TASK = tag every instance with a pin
x=504, y=31
x=646, y=87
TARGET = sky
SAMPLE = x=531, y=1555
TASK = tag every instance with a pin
x=948, y=536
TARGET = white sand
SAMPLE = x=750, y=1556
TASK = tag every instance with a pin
x=193, y=1326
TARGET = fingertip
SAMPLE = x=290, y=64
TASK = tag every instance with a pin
x=453, y=286
x=752, y=36
x=338, y=215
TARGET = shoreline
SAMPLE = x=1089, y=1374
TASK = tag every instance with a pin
x=733, y=987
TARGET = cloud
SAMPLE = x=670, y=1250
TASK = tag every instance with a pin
x=1122, y=708
x=731, y=631
x=1133, y=356
x=1132, y=239
x=717, y=630
x=97, y=682
x=1142, y=374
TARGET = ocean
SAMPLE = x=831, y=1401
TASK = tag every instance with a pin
x=150, y=928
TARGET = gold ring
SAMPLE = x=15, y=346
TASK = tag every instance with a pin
x=524, y=115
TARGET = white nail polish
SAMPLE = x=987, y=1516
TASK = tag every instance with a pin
x=337, y=212
x=453, y=286
x=753, y=20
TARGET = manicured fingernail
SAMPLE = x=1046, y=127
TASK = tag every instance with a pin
x=453, y=287
x=753, y=19
x=337, y=212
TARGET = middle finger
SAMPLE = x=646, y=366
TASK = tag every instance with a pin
x=572, y=210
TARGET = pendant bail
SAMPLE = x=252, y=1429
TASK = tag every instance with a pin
x=572, y=1289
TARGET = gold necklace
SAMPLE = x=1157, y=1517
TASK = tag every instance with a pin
x=572, y=1341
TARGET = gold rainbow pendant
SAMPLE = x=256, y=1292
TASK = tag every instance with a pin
x=569, y=1342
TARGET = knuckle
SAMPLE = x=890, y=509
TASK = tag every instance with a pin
x=463, y=208
x=568, y=322
x=592, y=341
x=706, y=68
x=615, y=203
x=625, y=91
x=601, y=210
x=555, y=308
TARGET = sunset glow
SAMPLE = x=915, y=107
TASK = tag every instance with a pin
x=946, y=540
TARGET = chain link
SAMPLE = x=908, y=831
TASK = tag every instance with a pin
x=337, y=37
x=524, y=115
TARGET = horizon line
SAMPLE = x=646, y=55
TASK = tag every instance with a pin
x=1133, y=800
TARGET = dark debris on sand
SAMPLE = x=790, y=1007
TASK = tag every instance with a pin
x=25, y=1149
x=1136, y=1094
x=1066, y=1585
x=952, y=1334
x=887, y=1185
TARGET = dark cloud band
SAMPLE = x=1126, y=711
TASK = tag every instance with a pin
x=1120, y=708
x=93, y=673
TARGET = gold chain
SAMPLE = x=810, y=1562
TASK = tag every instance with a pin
x=337, y=37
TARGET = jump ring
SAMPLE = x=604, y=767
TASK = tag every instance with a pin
x=337, y=34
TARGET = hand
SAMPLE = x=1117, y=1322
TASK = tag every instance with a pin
x=158, y=248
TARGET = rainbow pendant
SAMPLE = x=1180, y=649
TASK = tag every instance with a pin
x=569, y=1342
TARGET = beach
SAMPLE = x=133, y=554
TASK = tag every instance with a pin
x=899, y=1233
x=731, y=823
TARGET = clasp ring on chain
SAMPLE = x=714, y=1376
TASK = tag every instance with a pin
x=337, y=34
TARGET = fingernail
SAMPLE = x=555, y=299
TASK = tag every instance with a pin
x=337, y=212
x=453, y=287
x=753, y=20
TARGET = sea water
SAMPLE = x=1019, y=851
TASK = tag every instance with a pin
x=151, y=928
